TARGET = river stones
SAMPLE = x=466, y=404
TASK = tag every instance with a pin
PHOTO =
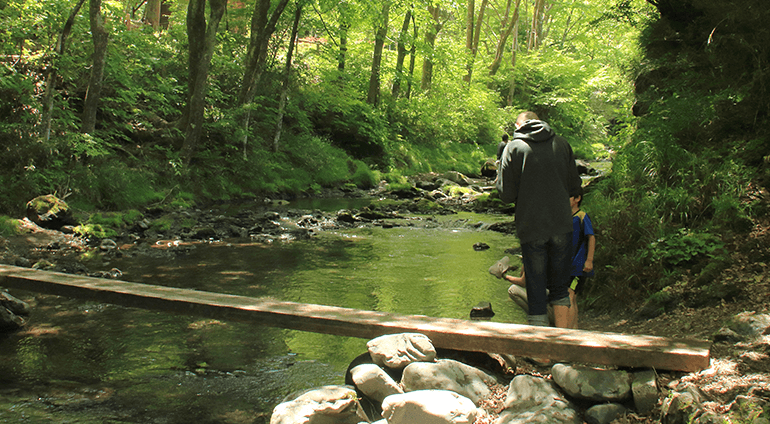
x=325, y=405
x=533, y=399
x=448, y=374
x=591, y=383
x=399, y=350
x=374, y=382
x=428, y=407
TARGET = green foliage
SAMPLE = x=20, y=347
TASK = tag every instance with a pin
x=348, y=122
x=363, y=177
x=749, y=409
x=112, y=186
x=451, y=114
x=684, y=247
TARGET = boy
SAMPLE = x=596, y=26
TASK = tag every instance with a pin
x=584, y=244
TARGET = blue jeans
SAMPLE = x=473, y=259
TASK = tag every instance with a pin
x=547, y=265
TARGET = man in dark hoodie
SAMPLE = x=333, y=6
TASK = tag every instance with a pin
x=538, y=174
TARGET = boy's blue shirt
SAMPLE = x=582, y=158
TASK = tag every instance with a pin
x=581, y=229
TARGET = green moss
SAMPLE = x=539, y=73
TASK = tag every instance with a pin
x=95, y=230
x=425, y=206
x=9, y=226
x=187, y=223
x=162, y=225
x=48, y=203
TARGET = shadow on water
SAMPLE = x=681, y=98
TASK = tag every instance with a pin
x=83, y=362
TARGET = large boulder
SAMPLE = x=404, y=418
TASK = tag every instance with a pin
x=49, y=212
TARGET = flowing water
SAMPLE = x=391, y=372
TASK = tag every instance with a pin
x=83, y=362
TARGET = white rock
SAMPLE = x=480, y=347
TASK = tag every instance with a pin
x=428, y=407
x=448, y=374
x=374, y=382
x=325, y=405
x=399, y=350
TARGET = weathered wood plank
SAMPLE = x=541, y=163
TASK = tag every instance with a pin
x=483, y=336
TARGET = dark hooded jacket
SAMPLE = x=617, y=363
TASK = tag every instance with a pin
x=538, y=174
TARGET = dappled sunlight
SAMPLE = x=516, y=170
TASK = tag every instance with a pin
x=41, y=330
x=202, y=324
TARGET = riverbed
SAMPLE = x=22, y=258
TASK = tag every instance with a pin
x=83, y=362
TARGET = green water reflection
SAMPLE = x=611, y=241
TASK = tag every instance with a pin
x=84, y=362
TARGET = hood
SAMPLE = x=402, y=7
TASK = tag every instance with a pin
x=534, y=130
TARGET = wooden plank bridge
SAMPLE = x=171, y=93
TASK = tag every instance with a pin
x=481, y=336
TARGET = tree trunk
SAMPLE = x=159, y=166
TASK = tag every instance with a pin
x=373, y=97
x=344, y=27
x=286, y=78
x=476, y=36
x=256, y=57
x=401, y=55
x=514, y=48
x=536, y=31
x=430, y=40
x=152, y=14
x=412, y=58
x=94, y=92
x=505, y=32
x=45, y=120
x=202, y=39
x=470, y=12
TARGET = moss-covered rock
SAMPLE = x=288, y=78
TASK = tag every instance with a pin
x=49, y=212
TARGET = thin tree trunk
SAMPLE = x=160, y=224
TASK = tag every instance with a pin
x=412, y=58
x=286, y=77
x=50, y=79
x=344, y=27
x=536, y=31
x=514, y=48
x=202, y=39
x=256, y=57
x=470, y=12
x=395, y=91
x=473, y=48
x=373, y=97
x=95, y=83
x=430, y=40
x=506, y=31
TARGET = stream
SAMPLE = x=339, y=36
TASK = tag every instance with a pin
x=83, y=362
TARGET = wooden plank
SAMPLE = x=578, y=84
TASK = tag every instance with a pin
x=482, y=336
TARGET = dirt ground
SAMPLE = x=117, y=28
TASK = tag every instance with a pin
x=739, y=370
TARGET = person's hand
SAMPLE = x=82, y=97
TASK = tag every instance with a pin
x=588, y=266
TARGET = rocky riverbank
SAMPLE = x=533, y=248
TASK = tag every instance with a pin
x=403, y=379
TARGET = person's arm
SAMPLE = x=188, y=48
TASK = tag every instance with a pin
x=588, y=266
x=509, y=174
x=519, y=281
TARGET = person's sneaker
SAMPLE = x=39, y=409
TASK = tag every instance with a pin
x=500, y=267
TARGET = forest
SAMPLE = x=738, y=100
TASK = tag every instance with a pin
x=115, y=105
